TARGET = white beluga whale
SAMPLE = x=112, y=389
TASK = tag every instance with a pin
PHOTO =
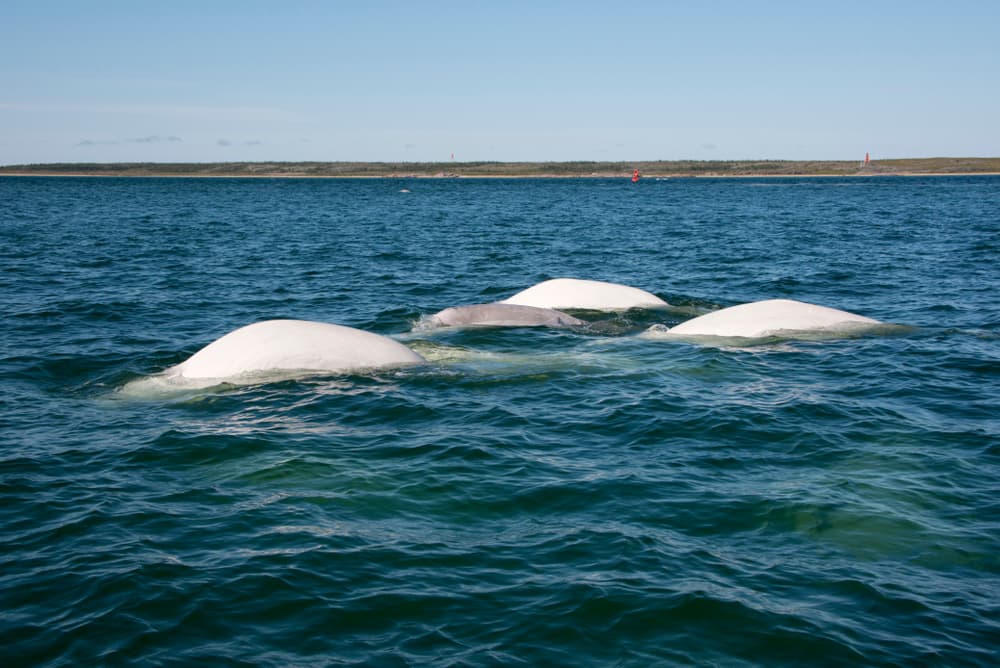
x=575, y=293
x=501, y=315
x=773, y=317
x=292, y=346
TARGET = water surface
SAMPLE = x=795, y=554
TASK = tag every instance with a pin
x=530, y=497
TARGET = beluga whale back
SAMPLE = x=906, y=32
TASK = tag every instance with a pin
x=293, y=345
x=772, y=317
x=501, y=315
x=575, y=293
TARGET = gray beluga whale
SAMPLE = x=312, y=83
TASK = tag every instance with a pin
x=501, y=315
x=772, y=317
x=577, y=293
x=293, y=345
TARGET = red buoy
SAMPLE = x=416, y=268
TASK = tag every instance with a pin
x=635, y=176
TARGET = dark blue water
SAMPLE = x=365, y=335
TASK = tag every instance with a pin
x=531, y=497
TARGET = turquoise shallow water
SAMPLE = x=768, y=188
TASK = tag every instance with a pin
x=530, y=497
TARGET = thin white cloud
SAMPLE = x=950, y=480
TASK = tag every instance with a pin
x=152, y=139
x=224, y=142
x=235, y=113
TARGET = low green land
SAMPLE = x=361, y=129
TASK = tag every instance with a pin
x=662, y=168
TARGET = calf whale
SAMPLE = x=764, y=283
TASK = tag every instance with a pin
x=772, y=317
x=583, y=294
x=502, y=315
x=293, y=345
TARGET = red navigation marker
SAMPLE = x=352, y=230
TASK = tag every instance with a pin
x=635, y=176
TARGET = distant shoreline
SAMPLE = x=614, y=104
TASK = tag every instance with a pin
x=650, y=177
x=548, y=170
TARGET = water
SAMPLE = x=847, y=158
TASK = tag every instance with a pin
x=530, y=497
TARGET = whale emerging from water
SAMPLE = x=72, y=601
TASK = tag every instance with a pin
x=293, y=345
x=502, y=315
x=772, y=317
x=577, y=293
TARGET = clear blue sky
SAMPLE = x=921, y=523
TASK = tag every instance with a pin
x=418, y=81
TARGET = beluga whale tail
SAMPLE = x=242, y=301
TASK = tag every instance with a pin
x=500, y=315
x=282, y=346
x=575, y=293
x=783, y=318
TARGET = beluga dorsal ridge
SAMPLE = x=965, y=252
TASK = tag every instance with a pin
x=772, y=317
x=293, y=345
x=501, y=315
x=575, y=293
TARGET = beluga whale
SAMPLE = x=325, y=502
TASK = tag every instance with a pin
x=500, y=315
x=575, y=293
x=785, y=318
x=292, y=346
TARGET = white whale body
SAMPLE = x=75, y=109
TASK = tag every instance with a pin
x=502, y=315
x=577, y=293
x=293, y=345
x=772, y=317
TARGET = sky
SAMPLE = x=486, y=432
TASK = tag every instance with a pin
x=216, y=81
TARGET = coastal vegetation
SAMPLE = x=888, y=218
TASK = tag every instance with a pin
x=657, y=168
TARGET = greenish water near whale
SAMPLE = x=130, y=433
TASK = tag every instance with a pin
x=529, y=497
